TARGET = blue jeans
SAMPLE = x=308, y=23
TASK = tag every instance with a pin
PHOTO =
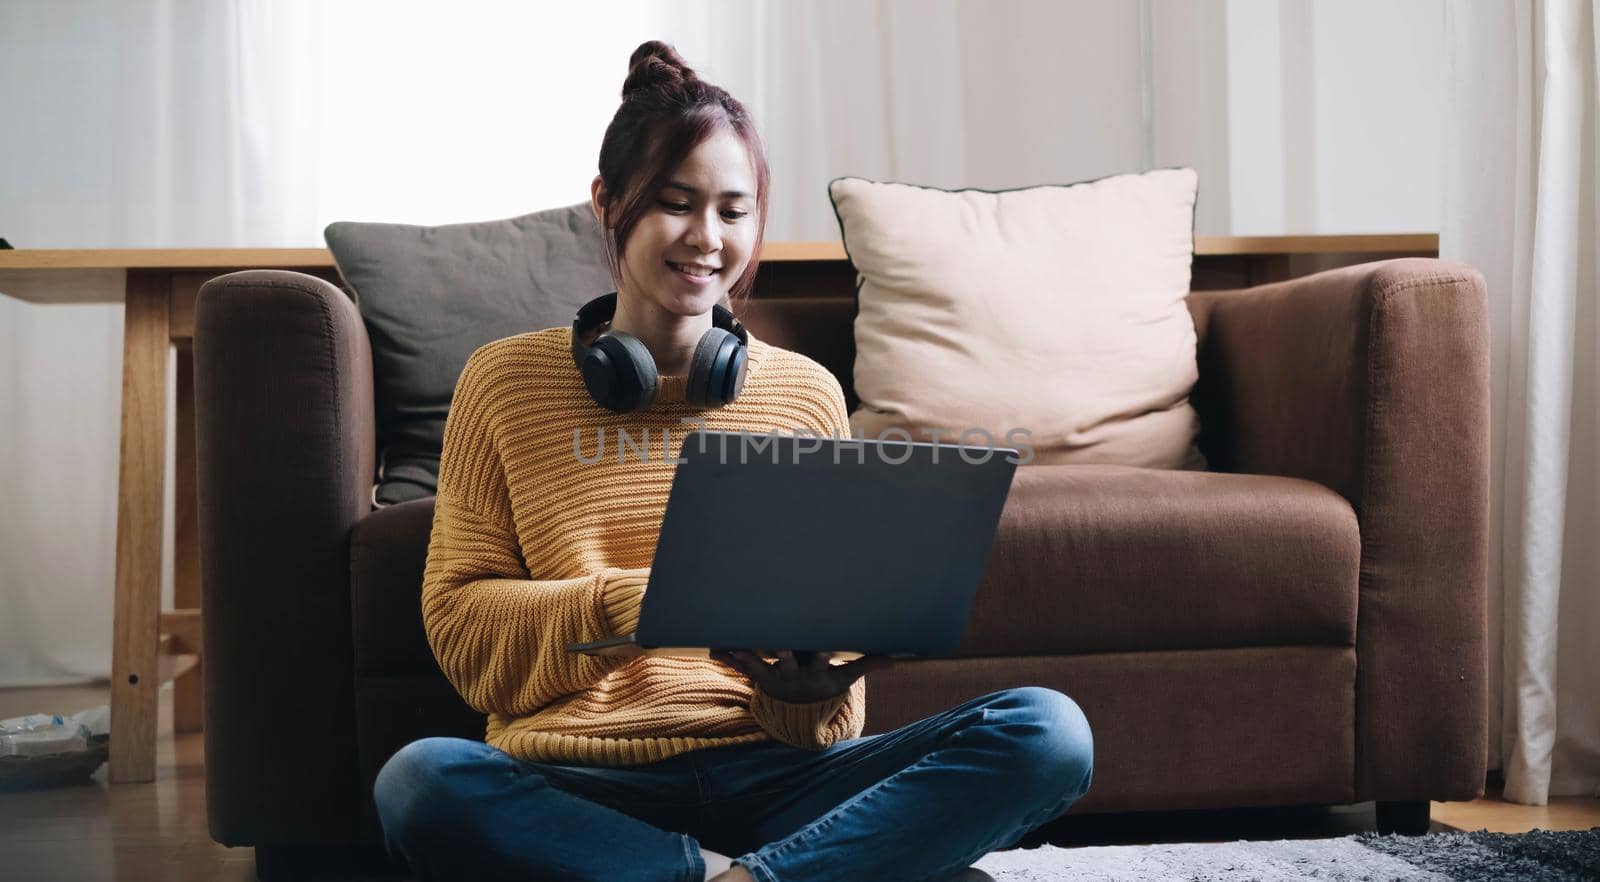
x=918, y=803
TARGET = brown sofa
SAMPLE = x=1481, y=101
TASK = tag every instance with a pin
x=1304, y=624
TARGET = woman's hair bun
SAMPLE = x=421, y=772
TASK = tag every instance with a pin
x=655, y=64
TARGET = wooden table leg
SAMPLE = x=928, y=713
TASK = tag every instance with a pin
x=134, y=679
x=188, y=695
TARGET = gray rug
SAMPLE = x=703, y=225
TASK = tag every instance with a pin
x=1438, y=857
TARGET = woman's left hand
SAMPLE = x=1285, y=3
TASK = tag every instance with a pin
x=803, y=679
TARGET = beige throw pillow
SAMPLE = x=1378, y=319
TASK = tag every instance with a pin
x=1055, y=310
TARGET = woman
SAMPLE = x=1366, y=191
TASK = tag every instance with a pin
x=654, y=768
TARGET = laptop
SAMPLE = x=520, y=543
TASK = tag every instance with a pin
x=775, y=542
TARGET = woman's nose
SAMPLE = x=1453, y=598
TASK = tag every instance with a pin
x=703, y=235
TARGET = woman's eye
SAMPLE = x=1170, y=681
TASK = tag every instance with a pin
x=731, y=214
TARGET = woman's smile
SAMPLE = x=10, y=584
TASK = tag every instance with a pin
x=698, y=274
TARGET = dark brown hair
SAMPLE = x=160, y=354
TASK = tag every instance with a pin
x=666, y=112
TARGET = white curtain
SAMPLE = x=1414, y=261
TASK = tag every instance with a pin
x=1521, y=205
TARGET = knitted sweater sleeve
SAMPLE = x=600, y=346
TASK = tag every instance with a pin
x=500, y=636
x=820, y=724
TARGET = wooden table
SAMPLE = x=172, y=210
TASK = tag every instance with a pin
x=158, y=288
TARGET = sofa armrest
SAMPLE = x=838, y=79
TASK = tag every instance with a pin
x=1374, y=380
x=284, y=432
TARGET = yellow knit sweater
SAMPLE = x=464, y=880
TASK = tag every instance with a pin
x=532, y=549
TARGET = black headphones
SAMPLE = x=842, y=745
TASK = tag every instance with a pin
x=621, y=374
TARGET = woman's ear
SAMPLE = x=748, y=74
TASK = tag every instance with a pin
x=598, y=199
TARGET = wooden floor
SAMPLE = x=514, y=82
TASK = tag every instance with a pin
x=157, y=831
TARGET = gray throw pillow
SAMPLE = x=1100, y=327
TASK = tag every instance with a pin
x=430, y=296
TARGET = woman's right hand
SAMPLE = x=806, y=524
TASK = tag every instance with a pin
x=801, y=679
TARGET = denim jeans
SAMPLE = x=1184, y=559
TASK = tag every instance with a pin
x=919, y=803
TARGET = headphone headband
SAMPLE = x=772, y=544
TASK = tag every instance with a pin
x=620, y=373
x=603, y=309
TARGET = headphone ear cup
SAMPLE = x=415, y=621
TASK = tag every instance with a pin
x=735, y=381
x=619, y=372
x=708, y=371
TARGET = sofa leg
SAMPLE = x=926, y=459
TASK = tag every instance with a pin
x=316, y=863
x=1407, y=817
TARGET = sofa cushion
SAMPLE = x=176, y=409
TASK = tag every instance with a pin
x=1056, y=309
x=431, y=295
x=400, y=692
x=1100, y=558
x=388, y=550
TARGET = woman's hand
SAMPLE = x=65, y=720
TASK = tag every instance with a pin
x=804, y=678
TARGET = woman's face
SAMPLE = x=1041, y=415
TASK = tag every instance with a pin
x=693, y=243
